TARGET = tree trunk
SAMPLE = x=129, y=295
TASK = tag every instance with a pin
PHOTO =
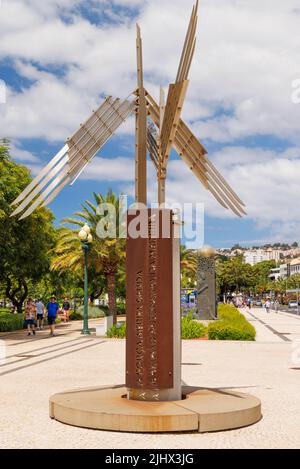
x=111, y=290
x=18, y=295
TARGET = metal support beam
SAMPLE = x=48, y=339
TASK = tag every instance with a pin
x=141, y=129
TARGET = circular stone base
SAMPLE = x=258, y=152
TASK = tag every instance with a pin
x=202, y=410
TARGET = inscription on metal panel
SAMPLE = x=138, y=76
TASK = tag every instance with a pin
x=153, y=247
x=149, y=311
x=139, y=329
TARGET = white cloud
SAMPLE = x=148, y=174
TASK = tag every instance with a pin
x=22, y=155
x=246, y=61
x=267, y=182
x=119, y=169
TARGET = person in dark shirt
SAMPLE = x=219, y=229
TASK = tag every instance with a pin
x=52, y=308
x=66, y=309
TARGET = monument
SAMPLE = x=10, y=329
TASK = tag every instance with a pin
x=152, y=400
x=206, y=285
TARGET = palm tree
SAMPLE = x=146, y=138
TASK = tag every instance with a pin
x=107, y=255
x=188, y=263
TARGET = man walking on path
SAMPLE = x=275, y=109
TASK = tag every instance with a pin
x=52, y=308
x=40, y=310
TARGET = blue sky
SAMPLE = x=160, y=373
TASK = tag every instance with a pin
x=59, y=59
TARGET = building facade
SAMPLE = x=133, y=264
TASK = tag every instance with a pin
x=255, y=256
x=295, y=266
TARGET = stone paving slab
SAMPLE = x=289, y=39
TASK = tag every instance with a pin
x=263, y=368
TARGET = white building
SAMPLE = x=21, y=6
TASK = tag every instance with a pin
x=284, y=270
x=275, y=274
x=273, y=254
x=295, y=266
x=253, y=257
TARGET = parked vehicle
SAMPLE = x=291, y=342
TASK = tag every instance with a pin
x=293, y=304
x=258, y=303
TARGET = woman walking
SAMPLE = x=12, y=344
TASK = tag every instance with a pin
x=30, y=316
x=66, y=309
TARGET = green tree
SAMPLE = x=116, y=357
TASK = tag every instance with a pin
x=260, y=273
x=106, y=255
x=293, y=282
x=63, y=284
x=234, y=275
x=24, y=244
x=188, y=265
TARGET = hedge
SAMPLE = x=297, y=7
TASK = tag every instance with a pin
x=11, y=322
x=232, y=325
x=94, y=312
x=191, y=329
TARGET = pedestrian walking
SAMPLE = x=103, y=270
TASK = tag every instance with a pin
x=52, y=308
x=40, y=313
x=66, y=309
x=30, y=316
x=268, y=305
x=276, y=306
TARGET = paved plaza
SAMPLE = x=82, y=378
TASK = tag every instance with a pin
x=36, y=368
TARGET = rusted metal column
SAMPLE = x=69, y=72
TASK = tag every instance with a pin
x=152, y=335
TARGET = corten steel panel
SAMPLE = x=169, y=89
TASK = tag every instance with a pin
x=149, y=308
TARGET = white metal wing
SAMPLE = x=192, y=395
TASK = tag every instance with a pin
x=72, y=159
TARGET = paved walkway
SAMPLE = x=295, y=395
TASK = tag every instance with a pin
x=37, y=367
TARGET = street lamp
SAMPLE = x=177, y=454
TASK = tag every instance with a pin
x=86, y=239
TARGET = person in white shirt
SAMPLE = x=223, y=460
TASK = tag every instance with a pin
x=268, y=305
x=40, y=311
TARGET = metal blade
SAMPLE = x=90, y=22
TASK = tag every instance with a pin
x=41, y=174
x=55, y=192
x=40, y=186
x=42, y=196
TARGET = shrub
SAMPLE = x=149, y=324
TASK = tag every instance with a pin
x=75, y=316
x=224, y=330
x=230, y=313
x=232, y=325
x=94, y=312
x=191, y=329
x=11, y=322
x=117, y=331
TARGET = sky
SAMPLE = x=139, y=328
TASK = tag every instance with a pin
x=60, y=58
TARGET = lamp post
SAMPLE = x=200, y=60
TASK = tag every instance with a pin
x=86, y=239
